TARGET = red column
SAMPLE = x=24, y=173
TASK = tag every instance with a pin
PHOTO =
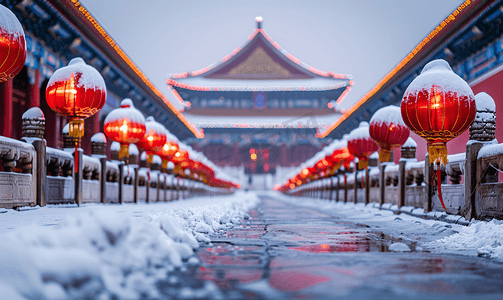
x=6, y=94
x=236, y=159
x=34, y=89
x=284, y=155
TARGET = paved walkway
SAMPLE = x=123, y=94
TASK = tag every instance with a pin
x=290, y=252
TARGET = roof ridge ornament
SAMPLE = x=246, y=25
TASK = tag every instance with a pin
x=259, y=21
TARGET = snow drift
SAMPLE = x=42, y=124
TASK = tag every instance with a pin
x=109, y=251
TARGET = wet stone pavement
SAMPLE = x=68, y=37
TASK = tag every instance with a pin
x=289, y=252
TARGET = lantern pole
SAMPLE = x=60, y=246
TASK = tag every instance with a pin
x=356, y=182
x=367, y=186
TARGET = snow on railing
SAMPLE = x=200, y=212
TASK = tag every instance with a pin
x=17, y=174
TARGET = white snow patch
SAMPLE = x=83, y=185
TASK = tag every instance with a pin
x=388, y=115
x=157, y=159
x=94, y=251
x=439, y=73
x=399, y=247
x=484, y=238
x=115, y=146
x=85, y=76
x=410, y=143
x=10, y=24
x=490, y=150
x=99, y=137
x=485, y=102
x=127, y=110
x=133, y=150
x=34, y=113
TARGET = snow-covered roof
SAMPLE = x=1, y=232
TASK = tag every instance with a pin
x=286, y=72
x=261, y=122
x=210, y=84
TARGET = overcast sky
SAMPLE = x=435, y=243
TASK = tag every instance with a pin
x=363, y=38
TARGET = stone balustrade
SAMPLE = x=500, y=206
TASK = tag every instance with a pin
x=17, y=175
x=33, y=174
x=488, y=191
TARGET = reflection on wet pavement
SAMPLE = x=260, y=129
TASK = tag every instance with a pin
x=291, y=252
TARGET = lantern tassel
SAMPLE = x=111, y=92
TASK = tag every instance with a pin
x=124, y=151
x=362, y=164
x=76, y=154
x=384, y=155
x=437, y=153
x=439, y=185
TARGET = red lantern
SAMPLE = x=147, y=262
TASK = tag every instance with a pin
x=388, y=130
x=12, y=45
x=361, y=145
x=168, y=149
x=438, y=106
x=125, y=125
x=77, y=92
x=180, y=156
x=154, y=138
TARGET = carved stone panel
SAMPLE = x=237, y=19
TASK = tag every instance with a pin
x=16, y=190
x=61, y=190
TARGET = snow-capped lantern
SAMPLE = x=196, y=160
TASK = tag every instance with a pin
x=76, y=92
x=341, y=156
x=388, y=130
x=154, y=138
x=304, y=173
x=168, y=149
x=180, y=157
x=438, y=105
x=125, y=125
x=361, y=145
x=12, y=45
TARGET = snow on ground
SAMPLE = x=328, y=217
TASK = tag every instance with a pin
x=480, y=238
x=98, y=251
x=484, y=237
